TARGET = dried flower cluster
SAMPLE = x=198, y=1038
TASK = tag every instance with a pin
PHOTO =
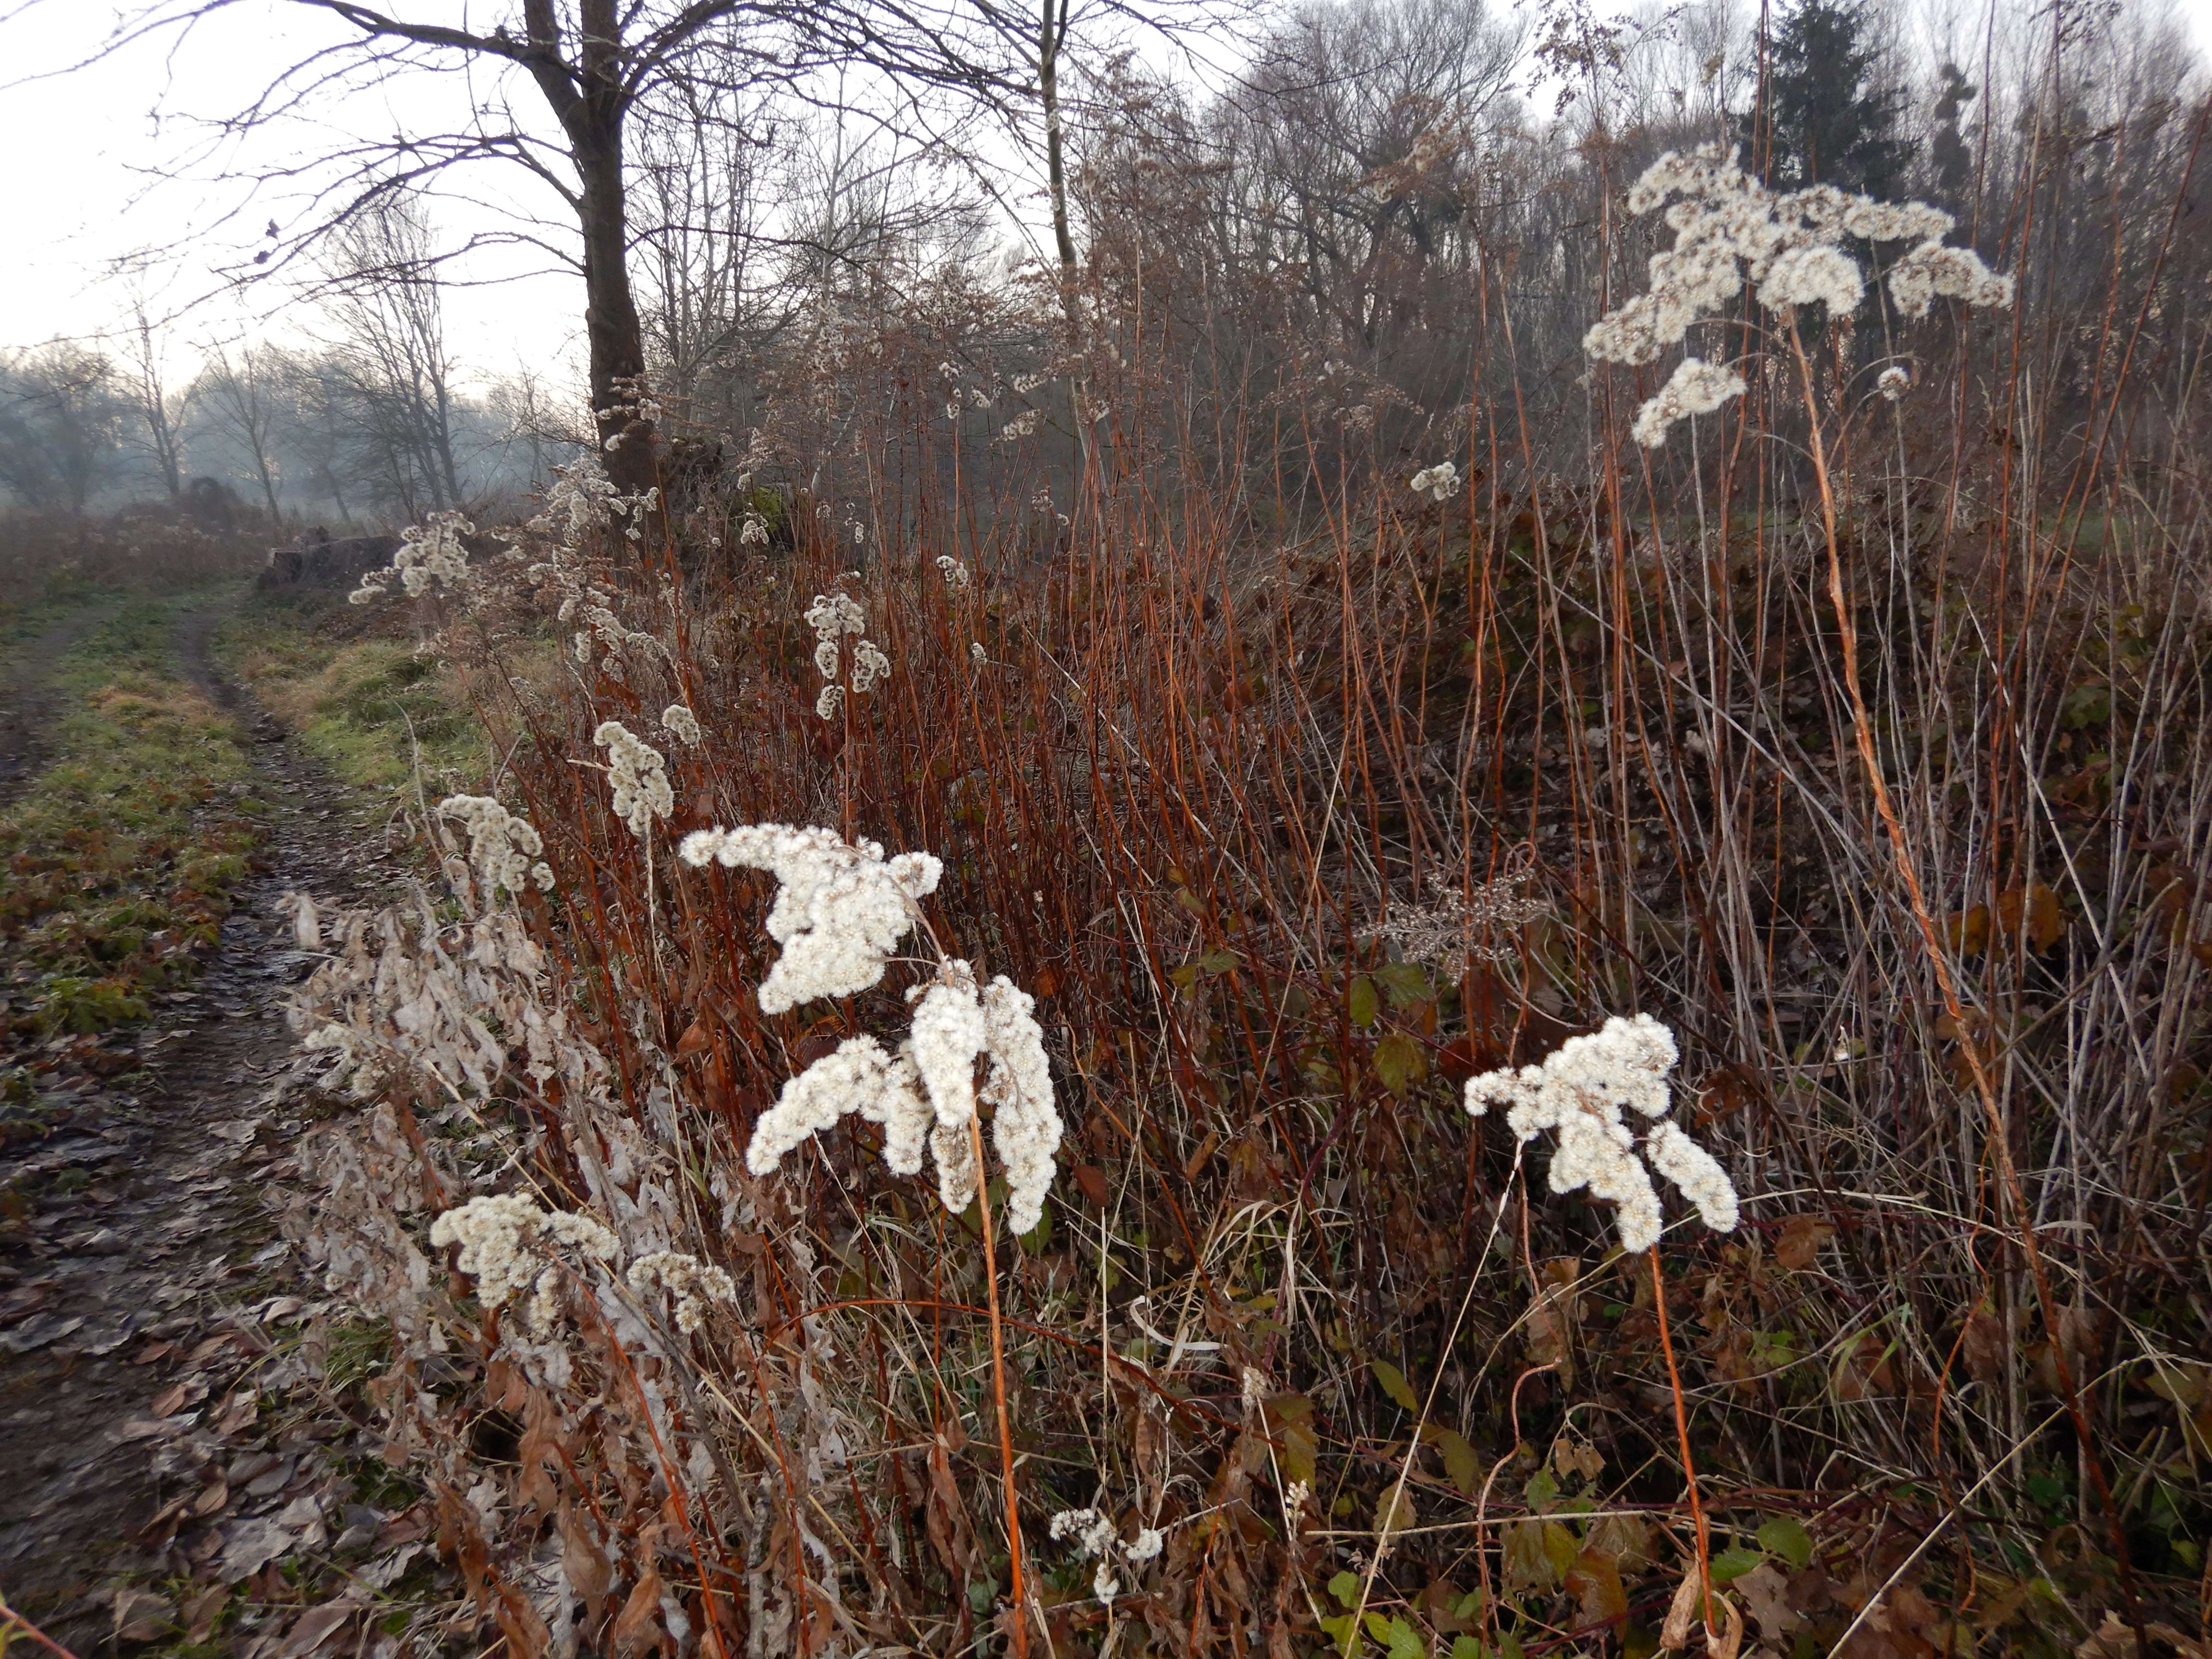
x=682, y=724
x=430, y=553
x=1458, y=923
x=638, y=775
x=500, y=845
x=832, y=616
x=1695, y=387
x=1893, y=382
x=858, y=1077
x=1728, y=228
x=954, y=571
x=1438, y=482
x=689, y=1283
x=1093, y=1534
x=509, y=1245
x=1577, y=1093
x=582, y=499
x=840, y=911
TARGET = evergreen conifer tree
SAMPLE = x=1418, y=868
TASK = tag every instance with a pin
x=1822, y=118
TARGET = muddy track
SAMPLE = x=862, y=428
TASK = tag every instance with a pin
x=144, y=1294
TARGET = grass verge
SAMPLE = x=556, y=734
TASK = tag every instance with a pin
x=123, y=853
x=370, y=709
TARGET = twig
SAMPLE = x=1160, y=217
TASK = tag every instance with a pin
x=12, y=1621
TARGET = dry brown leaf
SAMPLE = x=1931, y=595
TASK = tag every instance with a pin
x=2114, y=1639
x=1394, y=1511
x=636, y=1630
x=590, y=1574
x=1799, y=1246
x=1684, y=1612
x=1766, y=1597
x=211, y=1498
x=1725, y=1645
x=168, y=1402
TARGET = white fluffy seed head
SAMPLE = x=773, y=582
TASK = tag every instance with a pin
x=637, y=773
x=502, y=846
x=689, y=1283
x=508, y=1244
x=1578, y=1093
x=949, y=1033
x=840, y=910
x=1695, y=387
x=1729, y=227
x=683, y=725
x=1026, y=1127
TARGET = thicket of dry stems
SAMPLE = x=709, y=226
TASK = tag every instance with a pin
x=1882, y=780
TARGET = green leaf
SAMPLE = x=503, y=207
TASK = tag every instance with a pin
x=1345, y=1629
x=1404, y=982
x=1402, y=1641
x=1785, y=1537
x=1467, y=1647
x=1734, y=1562
x=1399, y=1063
x=1184, y=976
x=1363, y=1004
x=1394, y=1384
x=1462, y=1467
x=1345, y=1587
x=1542, y=1490
x=1218, y=962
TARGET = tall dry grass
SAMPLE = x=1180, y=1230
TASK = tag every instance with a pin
x=1885, y=783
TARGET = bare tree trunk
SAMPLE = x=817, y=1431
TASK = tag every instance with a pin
x=591, y=102
x=610, y=320
x=1052, y=34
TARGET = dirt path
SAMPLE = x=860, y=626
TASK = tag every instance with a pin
x=145, y=1298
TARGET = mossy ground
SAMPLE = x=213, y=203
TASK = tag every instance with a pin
x=371, y=709
x=122, y=853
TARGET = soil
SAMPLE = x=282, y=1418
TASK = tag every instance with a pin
x=155, y=1469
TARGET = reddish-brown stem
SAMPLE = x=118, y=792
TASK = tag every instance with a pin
x=1682, y=1435
x=11, y=1620
x=999, y=1397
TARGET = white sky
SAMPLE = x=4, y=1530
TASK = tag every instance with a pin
x=81, y=189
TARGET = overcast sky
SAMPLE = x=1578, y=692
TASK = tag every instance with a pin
x=83, y=188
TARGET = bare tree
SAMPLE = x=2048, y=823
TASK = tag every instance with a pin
x=243, y=399
x=383, y=291
x=162, y=413
x=60, y=416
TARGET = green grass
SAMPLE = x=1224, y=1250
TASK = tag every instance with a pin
x=367, y=708
x=121, y=855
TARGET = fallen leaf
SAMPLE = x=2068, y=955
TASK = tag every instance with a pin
x=201, y=1612
x=210, y=1499
x=169, y=1401
x=141, y=1616
x=249, y=1545
x=637, y=1627
x=315, y=1627
x=1765, y=1595
x=238, y=1414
